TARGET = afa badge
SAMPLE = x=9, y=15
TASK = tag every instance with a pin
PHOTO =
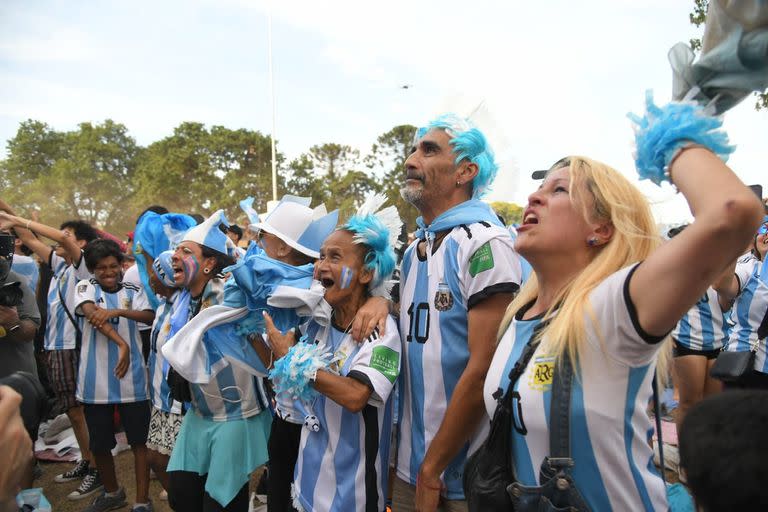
x=542, y=374
x=443, y=298
x=126, y=303
x=137, y=249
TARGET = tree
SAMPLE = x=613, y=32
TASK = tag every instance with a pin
x=511, y=212
x=86, y=173
x=388, y=155
x=200, y=171
x=698, y=17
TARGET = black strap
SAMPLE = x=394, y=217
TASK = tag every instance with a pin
x=560, y=412
x=78, y=332
x=657, y=413
x=522, y=363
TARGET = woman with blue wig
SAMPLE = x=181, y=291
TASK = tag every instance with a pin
x=345, y=387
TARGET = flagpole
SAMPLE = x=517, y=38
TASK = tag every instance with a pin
x=272, y=99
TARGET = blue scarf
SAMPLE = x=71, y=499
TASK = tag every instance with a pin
x=468, y=212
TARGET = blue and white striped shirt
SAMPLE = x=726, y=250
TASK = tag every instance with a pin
x=703, y=327
x=344, y=466
x=609, y=427
x=59, y=330
x=472, y=263
x=96, y=381
x=159, y=391
x=748, y=311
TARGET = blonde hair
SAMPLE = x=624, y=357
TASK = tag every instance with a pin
x=603, y=195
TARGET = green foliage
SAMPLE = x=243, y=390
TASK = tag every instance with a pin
x=86, y=173
x=511, y=212
x=698, y=17
x=388, y=156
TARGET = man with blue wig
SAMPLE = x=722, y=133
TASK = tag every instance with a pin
x=457, y=279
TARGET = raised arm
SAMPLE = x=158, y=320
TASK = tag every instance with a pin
x=22, y=227
x=727, y=215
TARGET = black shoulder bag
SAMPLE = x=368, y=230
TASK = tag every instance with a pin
x=557, y=490
x=489, y=470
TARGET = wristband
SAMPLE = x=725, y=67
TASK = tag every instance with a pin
x=665, y=131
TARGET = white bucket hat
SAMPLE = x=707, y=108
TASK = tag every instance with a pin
x=298, y=225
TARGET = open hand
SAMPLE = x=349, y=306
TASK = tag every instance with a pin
x=371, y=315
x=279, y=342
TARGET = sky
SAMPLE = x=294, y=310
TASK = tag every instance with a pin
x=554, y=77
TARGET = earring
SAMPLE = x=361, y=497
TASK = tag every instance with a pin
x=458, y=183
x=592, y=242
x=206, y=271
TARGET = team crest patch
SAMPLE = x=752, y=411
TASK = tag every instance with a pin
x=138, y=249
x=443, y=297
x=482, y=260
x=542, y=374
x=81, y=288
x=126, y=303
x=386, y=361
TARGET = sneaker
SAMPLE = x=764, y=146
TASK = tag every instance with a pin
x=76, y=473
x=143, y=508
x=90, y=485
x=103, y=502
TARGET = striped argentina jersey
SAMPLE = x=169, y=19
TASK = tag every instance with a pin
x=159, y=391
x=436, y=292
x=27, y=268
x=96, y=380
x=232, y=393
x=609, y=427
x=344, y=466
x=703, y=327
x=748, y=311
x=59, y=330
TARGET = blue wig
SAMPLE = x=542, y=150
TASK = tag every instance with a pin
x=377, y=230
x=468, y=143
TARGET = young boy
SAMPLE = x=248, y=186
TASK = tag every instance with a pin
x=112, y=370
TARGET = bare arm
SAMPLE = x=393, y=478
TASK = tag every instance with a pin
x=345, y=391
x=106, y=329
x=727, y=214
x=100, y=315
x=466, y=407
x=22, y=228
x=727, y=284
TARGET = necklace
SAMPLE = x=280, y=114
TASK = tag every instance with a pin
x=345, y=331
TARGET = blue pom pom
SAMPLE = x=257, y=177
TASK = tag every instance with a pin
x=661, y=133
x=292, y=374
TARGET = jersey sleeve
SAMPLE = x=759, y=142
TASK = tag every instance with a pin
x=613, y=325
x=141, y=301
x=81, y=269
x=56, y=262
x=377, y=363
x=744, y=269
x=85, y=291
x=489, y=265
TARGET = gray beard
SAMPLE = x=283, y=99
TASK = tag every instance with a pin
x=412, y=195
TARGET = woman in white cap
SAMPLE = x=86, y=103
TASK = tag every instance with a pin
x=223, y=436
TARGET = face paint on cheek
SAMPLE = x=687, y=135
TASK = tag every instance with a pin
x=191, y=266
x=346, y=277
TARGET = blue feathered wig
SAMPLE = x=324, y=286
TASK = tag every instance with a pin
x=377, y=230
x=468, y=143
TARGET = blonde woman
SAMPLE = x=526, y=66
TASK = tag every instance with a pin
x=602, y=298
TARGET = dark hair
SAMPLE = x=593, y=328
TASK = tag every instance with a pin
x=83, y=230
x=97, y=250
x=160, y=210
x=222, y=260
x=722, y=450
x=234, y=228
x=198, y=218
